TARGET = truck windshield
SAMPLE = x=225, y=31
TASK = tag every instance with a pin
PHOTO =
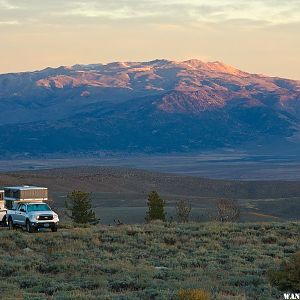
x=38, y=207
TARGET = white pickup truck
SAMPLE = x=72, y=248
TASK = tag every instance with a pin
x=32, y=216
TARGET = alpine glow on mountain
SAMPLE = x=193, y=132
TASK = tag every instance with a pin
x=155, y=106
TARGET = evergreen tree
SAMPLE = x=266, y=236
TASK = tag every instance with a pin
x=155, y=207
x=79, y=208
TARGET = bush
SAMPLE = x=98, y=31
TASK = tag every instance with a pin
x=127, y=283
x=228, y=211
x=183, y=210
x=287, y=278
x=195, y=294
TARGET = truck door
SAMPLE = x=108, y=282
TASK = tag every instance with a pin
x=17, y=214
x=22, y=215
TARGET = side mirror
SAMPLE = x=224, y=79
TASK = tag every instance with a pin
x=22, y=210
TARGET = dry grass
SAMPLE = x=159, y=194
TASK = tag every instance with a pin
x=152, y=261
x=195, y=294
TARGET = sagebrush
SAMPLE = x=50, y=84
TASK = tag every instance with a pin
x=152, y=261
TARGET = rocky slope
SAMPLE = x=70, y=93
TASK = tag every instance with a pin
x=156, y=106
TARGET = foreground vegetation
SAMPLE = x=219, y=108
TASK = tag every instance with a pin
x=151, y=261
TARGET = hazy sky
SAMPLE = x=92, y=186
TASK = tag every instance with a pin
x=261, y=36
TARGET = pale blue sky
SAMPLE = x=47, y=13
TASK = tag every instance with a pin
x=257, y=36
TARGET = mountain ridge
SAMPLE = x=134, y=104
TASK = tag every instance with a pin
x=155, y=106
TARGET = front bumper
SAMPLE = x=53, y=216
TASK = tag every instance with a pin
x=44, y=224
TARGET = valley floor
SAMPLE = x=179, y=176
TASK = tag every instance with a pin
x=237, y=165
x=151, y=261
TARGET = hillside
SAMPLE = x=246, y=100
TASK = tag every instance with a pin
x=157, y=106
x=143, y=262
x=122, y=192
x=123, y=180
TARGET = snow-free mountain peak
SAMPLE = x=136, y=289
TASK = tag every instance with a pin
x=154, y=106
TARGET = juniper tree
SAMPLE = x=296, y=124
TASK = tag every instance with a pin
x=79, y=208
x=155, y=207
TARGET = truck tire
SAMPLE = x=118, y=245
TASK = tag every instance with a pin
x=29, y=227
x=11, y=225
x=4, y=221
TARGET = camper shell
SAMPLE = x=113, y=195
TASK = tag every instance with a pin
x=26, y=193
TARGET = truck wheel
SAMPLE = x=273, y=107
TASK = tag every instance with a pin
x=54, y=228
x=10, y=224
x=4, y=221
x=29, y=227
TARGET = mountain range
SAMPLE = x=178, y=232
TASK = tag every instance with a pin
x=159, y=106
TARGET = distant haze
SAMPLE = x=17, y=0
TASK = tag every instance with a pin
x=256, y=36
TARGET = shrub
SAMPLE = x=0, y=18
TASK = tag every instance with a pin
x=269, y=239
x=228, y=211
x=79, y=206
x=195, y=294
x=183, y=210
x=130, y=262
x=156, y=207
x=287, y=278
x=127, y=283
x=170, y=240
x=150, y=293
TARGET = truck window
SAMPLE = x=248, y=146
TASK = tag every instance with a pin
x=22, y=208
x=38, y=207
x=8, y=204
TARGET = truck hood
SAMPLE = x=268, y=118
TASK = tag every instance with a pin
x=38, y=213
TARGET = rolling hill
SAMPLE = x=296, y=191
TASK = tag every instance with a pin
x=122, y=192
x=158, y=106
